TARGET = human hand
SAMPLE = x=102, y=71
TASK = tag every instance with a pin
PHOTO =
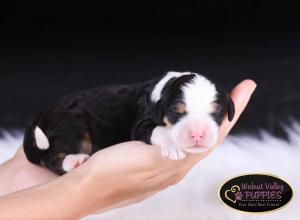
x=135, y=170
x=18, y=173
x=116, y=176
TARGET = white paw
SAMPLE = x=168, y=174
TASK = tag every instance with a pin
x=161, y=137
x=173, y=153
x=72, y=161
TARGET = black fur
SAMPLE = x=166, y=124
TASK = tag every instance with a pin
x=107, y=116
x=171, y=95
x=218, y=114
x=230, y=107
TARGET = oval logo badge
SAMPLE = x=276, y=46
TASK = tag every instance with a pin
x=256, y=193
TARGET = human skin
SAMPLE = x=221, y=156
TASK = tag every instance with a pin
x=120, y=175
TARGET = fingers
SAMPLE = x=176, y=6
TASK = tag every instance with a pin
x=240, y=95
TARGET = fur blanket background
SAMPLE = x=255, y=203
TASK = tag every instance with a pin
x=196, y=196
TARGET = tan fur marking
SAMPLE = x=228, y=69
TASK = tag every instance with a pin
x=166, y=121
x=214, y=107
x=180, y=107
x=61, y=155
x=86, y=144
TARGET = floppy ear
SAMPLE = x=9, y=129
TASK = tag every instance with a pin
x=158, y=112
x=230, y=108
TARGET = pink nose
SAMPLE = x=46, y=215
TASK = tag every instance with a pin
x=196, y=136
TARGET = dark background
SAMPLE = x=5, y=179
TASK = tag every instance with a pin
x=52, y=48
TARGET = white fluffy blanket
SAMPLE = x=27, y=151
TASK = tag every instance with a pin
x=196, y=196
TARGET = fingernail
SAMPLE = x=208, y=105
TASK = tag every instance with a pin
x=252, y=86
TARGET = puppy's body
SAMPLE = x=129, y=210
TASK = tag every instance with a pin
x=85, y=123
x=77, y=126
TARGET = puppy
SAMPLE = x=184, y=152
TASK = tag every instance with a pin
x=180, y=112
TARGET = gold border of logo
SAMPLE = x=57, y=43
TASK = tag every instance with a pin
x=261, y=212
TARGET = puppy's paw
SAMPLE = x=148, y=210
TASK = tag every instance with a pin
x=72, y=161
x=173, y=153
x=161, y=137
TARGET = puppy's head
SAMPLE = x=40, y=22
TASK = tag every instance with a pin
x=191, y=108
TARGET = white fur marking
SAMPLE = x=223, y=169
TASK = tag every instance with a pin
x=41, y=139
x=72, y=161
x=161, y=137
x=156, y=93
x=173, y=153
x=199, y=95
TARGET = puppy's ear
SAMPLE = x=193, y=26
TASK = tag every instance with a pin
x=158, y=112
x=230, y=108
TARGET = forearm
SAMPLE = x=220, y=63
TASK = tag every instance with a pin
x=68, y=197
x=107, y=180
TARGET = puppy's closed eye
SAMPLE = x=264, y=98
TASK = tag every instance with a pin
x=180, y=107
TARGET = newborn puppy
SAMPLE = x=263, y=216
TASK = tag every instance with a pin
x=180, y=112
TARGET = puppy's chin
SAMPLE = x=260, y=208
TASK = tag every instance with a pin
x=196, y=149
x=208, y=144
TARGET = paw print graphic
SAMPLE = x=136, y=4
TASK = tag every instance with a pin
x=238, y=196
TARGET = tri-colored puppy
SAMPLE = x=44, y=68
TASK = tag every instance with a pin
x=180, y=112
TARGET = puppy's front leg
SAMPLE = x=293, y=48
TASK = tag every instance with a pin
x=161, y=137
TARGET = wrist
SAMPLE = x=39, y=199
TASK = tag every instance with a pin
x=94, y=194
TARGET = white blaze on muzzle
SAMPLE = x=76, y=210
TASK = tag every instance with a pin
x=195, y=130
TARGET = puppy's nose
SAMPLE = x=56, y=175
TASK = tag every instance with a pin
x=196, y=136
